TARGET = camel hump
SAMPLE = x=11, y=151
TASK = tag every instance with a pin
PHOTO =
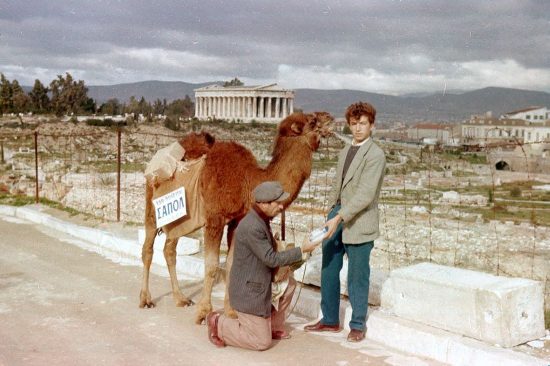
x=197, y=144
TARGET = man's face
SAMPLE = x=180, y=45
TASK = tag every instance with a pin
x=360, y=128
x=271, y=209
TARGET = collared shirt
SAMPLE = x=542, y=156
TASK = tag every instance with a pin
x=361, y=143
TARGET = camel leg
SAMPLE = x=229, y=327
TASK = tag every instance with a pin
x=147, y=257
x=170, y=256
x=212, y=239
x=228, y=310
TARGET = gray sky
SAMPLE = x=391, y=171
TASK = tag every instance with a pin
x=380, y=46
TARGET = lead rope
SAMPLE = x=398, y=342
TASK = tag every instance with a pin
x=301, y=282
x=294, y=238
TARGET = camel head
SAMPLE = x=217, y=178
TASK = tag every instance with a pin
x=197, y=144
x=311, y=126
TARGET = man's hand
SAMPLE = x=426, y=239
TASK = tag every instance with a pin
x=332, y=224
x=309, y=247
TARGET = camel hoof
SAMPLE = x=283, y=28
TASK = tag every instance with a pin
x=230, y=313
x=146, y=304
x=202, y=311
x=184, y=302
x=145, y=300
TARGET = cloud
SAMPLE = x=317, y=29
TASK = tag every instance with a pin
x=379, y=45
x=466, y=75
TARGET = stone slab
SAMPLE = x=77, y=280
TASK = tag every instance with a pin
x=498, y=310
x=423, y=340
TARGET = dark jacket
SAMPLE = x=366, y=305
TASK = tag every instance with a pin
x=253, y=260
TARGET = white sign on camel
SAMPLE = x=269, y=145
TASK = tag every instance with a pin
x=170, y=207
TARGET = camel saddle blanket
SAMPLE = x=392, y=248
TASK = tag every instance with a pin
x=164, y=163
x=186, y=174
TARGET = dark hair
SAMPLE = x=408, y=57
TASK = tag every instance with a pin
x=356, y=110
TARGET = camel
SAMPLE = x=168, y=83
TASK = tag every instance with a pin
x=226, y=181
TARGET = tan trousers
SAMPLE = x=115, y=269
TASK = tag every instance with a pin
x=254, y=332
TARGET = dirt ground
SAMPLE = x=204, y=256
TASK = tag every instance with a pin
x=62, y=305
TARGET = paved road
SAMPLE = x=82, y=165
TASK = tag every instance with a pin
x=62, y=305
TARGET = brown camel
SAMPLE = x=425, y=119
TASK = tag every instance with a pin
x=227, y=179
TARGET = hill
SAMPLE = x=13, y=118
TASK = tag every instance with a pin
x=452, y=107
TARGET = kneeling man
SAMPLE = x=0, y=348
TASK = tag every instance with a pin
x=254, y=259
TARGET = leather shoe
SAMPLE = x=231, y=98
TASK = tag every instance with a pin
x=280, y=334
x=320, y=327
x=356, y=335
x=212, y=323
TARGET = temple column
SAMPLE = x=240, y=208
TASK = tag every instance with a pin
x=291, y=109
x=254, y=107
x=249, y=107
x=262, y=115
x=268, y=115
x=277, y=107
x=285, y=111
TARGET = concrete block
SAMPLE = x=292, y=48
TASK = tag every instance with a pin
x=186, y=245
x=7, y=210
x=498, y=310
x=424, y=340
x=30, y=214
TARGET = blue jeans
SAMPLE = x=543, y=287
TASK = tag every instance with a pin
x=358, y=278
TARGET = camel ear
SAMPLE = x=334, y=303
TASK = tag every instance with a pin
x=296, y=128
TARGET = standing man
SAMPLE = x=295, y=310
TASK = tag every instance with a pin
x=254, y=259
x=352, y=224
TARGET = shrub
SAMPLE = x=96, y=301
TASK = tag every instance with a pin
x=515, y=192
x=107, y=122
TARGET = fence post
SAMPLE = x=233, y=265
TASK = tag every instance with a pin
x=36, y=197
x=2, y=151
x=118, y=177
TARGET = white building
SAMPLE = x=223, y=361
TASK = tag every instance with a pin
x=531, y=114
x=489, y=129
x=431, y=133
x=265, y=103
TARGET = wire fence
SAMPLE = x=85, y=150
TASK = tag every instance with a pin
x=451, y=208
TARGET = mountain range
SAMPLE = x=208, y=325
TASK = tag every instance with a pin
x=451, y=106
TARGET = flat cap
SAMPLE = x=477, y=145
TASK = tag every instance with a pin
x=269, y=192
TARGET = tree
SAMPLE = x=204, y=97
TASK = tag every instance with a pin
x=159, y=106
x=21, y=101
x=88, y=106
x=69, y=96
x=6, y=101
x=181, y=108
x=39, y=97
x=234, y=82
x=132, y=106
x=111, y=107
x=144, y=107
